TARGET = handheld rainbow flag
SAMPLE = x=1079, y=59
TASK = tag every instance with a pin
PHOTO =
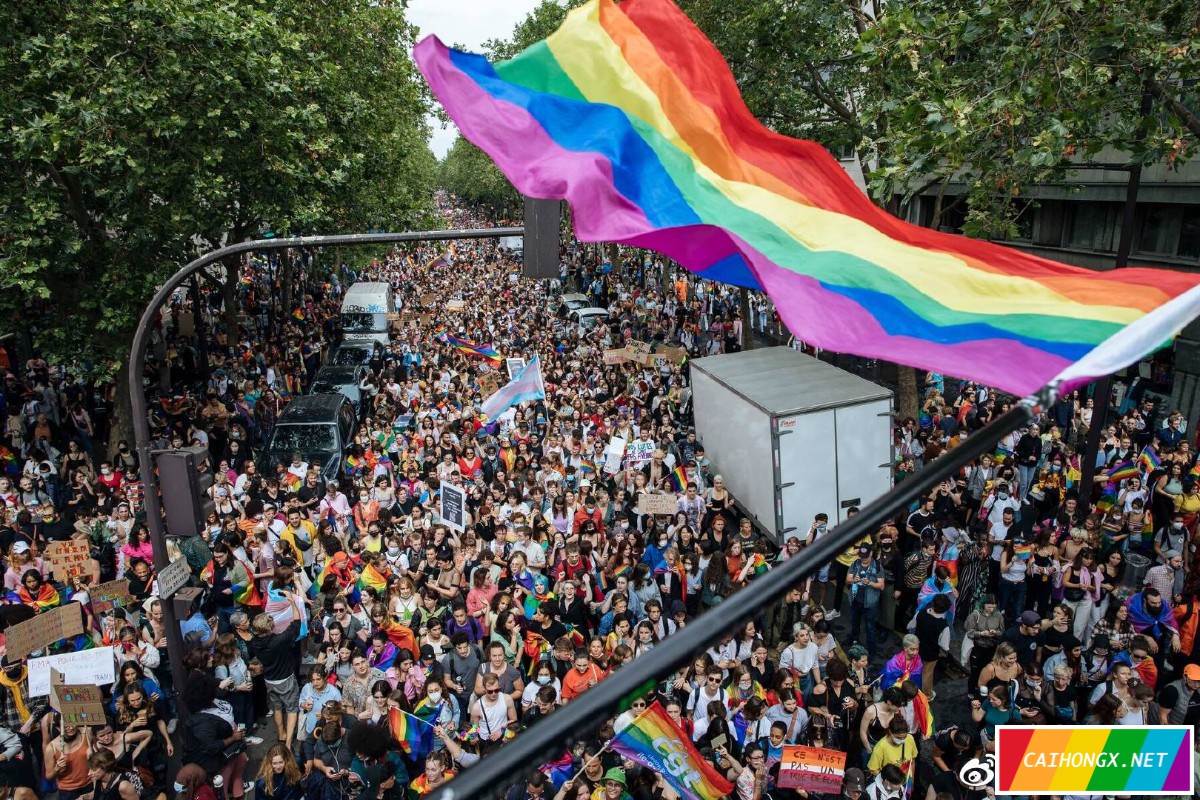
x=1123, y=471
x=1108, y=497
x=654, y=741
x=629, y=113
x=1148, y=460
x=923, y=714
x=414, y=734
x=1194, y=472
x=759, y=564
x=678, y=478
x=298, y=314
x=1023, y=551
x=484, y=351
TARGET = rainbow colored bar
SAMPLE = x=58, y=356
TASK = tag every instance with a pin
x=1136, y=760
x=630, y=114
x=484, y=351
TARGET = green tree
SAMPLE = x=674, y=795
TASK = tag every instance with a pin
x=472, y=176
x=137, y=135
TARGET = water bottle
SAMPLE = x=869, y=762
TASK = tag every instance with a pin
x=218, y=783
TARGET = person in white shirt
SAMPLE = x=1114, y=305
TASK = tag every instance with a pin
x=701, y=696
x=801, y=657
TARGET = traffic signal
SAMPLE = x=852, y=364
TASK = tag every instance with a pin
x=185, y=476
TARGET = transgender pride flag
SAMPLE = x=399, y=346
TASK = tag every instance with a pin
x=526, y=386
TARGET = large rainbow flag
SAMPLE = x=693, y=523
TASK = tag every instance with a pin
x=654, y=741
x=629, y=113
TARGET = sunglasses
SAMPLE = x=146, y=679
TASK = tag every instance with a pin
x=493, y=691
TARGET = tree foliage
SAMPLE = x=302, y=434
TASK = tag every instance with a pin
x=469, y=173
x=138, y=134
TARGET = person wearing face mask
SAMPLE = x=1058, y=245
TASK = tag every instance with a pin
x=191, y=783
x=449, y=712
x=545, y=677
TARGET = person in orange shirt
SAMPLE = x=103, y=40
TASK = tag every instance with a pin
x=583, y=676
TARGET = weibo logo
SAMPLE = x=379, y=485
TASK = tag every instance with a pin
x=976, y=774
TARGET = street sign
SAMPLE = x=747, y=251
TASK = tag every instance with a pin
x=173, y=578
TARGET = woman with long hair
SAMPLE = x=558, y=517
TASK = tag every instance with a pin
x=279, y=777
x=195, y=783
x=235, y=680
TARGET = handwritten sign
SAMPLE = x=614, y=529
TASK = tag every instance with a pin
x=173, y=578
x=428, y=299
x=110, y=595
x=455, y=305
x=618, y=356
x=812, y=769
x=68, y=559
x=637, y=348
x=44, y=629
x=658, y=504
x=95, y=667
x=674, y=355
x=79, y=704
x=641, y=451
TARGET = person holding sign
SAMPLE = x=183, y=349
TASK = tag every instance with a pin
x=66, y=760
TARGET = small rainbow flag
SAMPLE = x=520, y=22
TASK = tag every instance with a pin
x=484, y=351
x=298, y=314
x=923, y=714
x=413, y=733
x=759, y=564
x=1123, y=472
x=1148, y=460
x=587, y=467
x=678, y=478
x=654, y=741
x=1194, y=472
x=1023, y=551
x=248, y=595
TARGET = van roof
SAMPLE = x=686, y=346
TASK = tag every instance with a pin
x=312, y=408
x=368, y=287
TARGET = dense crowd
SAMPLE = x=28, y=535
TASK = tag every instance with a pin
x=331, y=608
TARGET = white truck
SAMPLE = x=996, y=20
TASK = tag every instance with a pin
x=792, y=436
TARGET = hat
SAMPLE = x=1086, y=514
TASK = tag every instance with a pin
x=865, y=550
x=21, y=547
x=427, y=651
x=615, y=774
x=1169, y=554
x=1101, y=641
x=853, y=780
x=677, y=608
x=1030, y=619
x=1192, y=672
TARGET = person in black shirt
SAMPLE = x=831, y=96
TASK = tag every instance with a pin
x=953, y=747
x=53, y=528
x=1024, y=637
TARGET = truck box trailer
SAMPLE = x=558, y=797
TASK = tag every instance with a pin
x=792, y=436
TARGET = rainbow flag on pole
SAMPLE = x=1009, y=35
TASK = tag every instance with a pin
x=629, y=113
x=654, y=741
x=1123, y=471
x=1148, y=460
x=414, y=734
x=678, y=478
x=484, y=351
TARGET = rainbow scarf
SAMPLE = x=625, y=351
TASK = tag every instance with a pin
x=630, y=114
x=414, y=734
x=47, y=597
x=678, y=479
x=654, y=741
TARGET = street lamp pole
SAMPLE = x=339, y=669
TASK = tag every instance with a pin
x=137, y=392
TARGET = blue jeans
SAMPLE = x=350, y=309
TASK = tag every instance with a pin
x=869, y=615
x=1026, y=474
x=1012, y=599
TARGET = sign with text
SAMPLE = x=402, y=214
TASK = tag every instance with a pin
x=613, y=455
x=618, y=356
x=658, y=504
x=812, y=769
x=514, y=365
x=453, y=508
x=79, y=704
x=44, y=629
x=95, y=667
x=675, y=355
x=641, y=451
x=173, y=578
x=110, y=595
x=455, y=305
x=636, y=347
x=68, y=559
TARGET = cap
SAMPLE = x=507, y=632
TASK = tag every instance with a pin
x=615, y=774
x=865, y=550
x=21, y=547
x=1101, y=641
x=1030, y=618
x=853, y=780
x=427, y=651
x=1169, y=554
x=1192, y=672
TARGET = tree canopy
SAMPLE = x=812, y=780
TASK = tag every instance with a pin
x=137, y=135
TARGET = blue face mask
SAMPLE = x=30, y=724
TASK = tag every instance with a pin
x=179, y=788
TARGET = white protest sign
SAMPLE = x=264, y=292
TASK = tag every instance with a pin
x=95, y=667
x=613, y=454
x=641, y=452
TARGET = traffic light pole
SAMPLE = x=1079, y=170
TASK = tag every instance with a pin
x=137, y=392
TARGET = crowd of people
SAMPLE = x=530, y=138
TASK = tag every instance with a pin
x=329, y=609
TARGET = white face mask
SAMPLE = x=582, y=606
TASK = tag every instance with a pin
x=393, y=551
x=1002, y=495
x=435, y=697
x=543, y=679
x=179, y=788
x=1176, y=525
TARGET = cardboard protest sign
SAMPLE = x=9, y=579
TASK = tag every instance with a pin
x=675, y=355
x=640, y=452
x=489, y=382
x=173, y=578
x=110, y=595
x=812, y=769
x=658, y=504
x=96, y=667
x=636, y=347
x=618, y=356
x=44, y=629
x=455, y=305
x=68, y=559
x=428, y=299
x=79, y=704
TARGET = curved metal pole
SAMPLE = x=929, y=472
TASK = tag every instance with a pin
x=581, y=717
x=137, y=393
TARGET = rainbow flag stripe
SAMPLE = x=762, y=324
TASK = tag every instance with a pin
x=414, y=734
x=678, y=478
x=629, y=113
x=484, y=351
x=1129, y=759
x=654, y=741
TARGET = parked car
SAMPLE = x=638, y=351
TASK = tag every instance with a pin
x=569, y=302
x=589, y=317
x=318, y=427
x=343, y=380
x=352, y=353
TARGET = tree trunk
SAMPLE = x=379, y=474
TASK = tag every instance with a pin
x=907, y=401
x=121, y=426
x=747, y=323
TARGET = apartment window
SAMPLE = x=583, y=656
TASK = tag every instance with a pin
x=1189, y=233
x=1051, y=216
x=1158, y=229
x=1093, y=226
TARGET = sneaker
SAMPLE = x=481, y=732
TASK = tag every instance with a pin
x=832, y=613
x=254, y=740
x=171, y=726
x=247, y=787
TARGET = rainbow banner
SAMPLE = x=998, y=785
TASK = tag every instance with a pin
x=654, y=741
x=1124, y=759
x=484, y=351
x=629, y=113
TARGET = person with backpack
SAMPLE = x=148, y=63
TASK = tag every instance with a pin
x=108, y=783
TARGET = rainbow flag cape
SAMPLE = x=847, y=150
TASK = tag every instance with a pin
x=47, y=597
x=1148, y=460
x=279, y=606
x=629, y=113
x=373, y=578
x=536, y=649
x=922, y=714
x=654, y=741
x=900, y=669
x=414, y=734
x=484, y=351
x=1123, y=471
x=678, y=479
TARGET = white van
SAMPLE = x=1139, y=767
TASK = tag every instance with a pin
x=365, y=310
